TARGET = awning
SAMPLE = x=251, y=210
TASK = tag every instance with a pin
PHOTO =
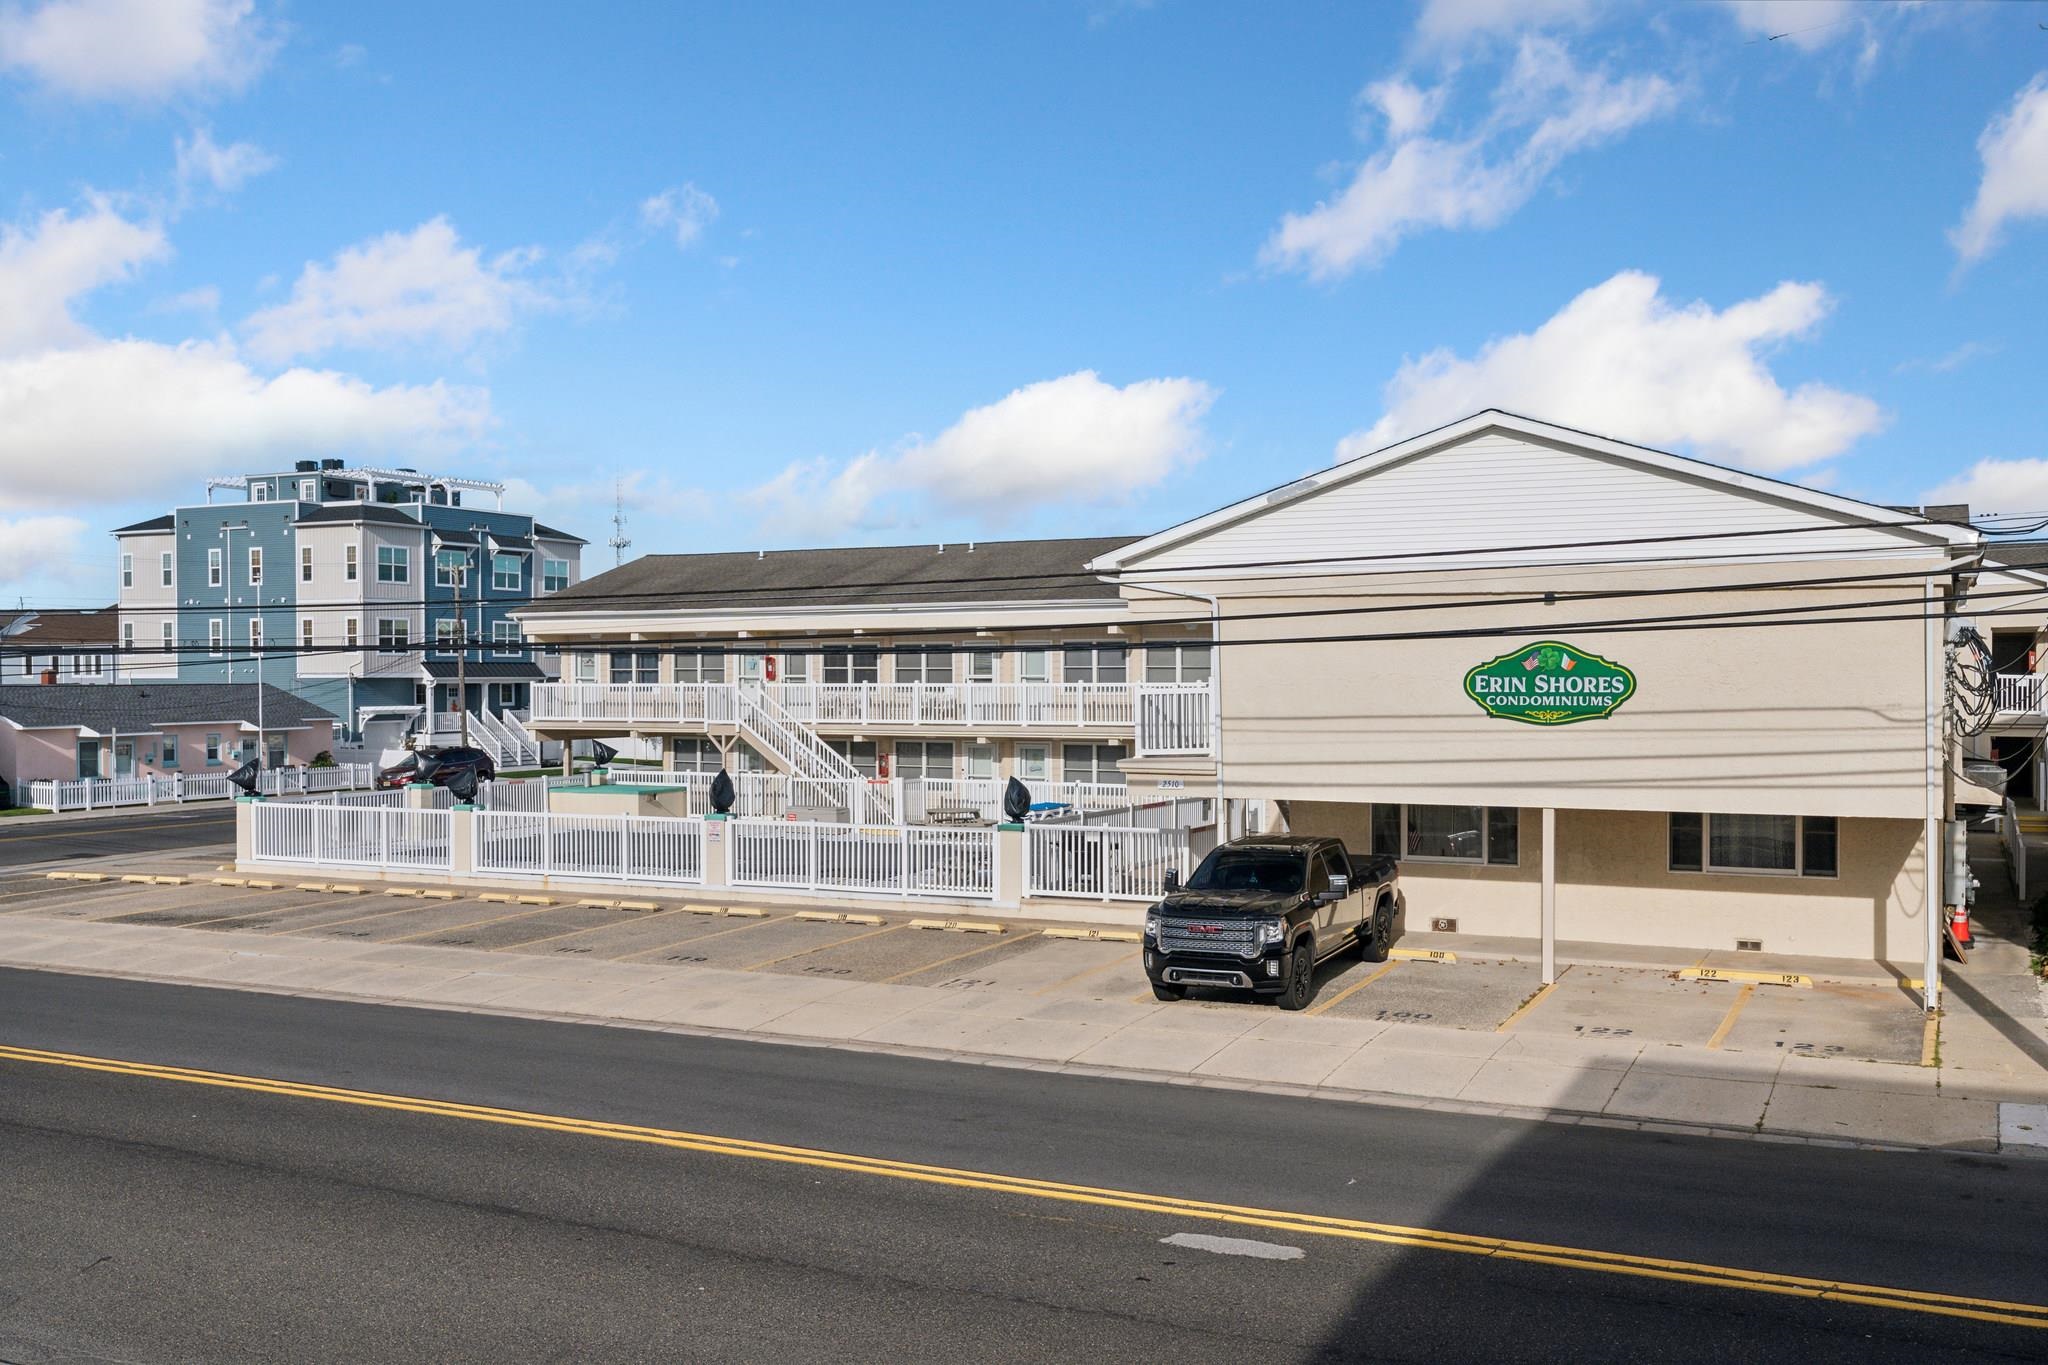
x=511, y=545
x=458, y=539
x=486, y=670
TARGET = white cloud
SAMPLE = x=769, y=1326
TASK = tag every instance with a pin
x=1622, y=360
x=2014, y=147
x=1544, y=109
x=1998, y=486
x=399, y=289
x=135, y=49
x=684, y=210
x=1454, y=23
x=1072, y=440
x=1806, y=24
x=39, y=547
x=46, y=266
x=203, y=300
x=202, y=161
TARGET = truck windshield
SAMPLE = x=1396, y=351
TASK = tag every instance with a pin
x=1246, y=869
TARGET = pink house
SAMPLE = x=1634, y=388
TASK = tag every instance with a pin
x=152, y=729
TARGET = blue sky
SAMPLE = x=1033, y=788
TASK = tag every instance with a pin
x=844, y=273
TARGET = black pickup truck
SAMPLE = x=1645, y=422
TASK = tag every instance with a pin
x=1260, y=913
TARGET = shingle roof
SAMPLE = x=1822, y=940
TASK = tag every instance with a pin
x=550, y=533
x=355, y=511
x=487, y=670
x=107, y=707
x=162, y=523
x=2025, y=554
x=990, y=571
x=51, y=628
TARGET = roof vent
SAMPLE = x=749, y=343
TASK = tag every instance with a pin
x=306, y=466
x=1292, y=490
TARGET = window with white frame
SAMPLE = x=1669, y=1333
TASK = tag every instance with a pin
x=215, y=635
x=1177, y=663
x=1034, y=762
x=451, y=569
x=213, y=568
x=924, y=663
x=793, y=668
x=348, y=562
x=506, y=573
x=1093, y=763
x=352, y=632
x=1093, y=664
x=447, y=634
x=256, y=633
x=693, y=754
x=635, y=666
x=308, y=490
x=305, y=632
x=750, y=665
x=862, y=754
x=170, y=635
x=167, y=568
x=1489, y=835
x=505, y=638
x=981, y=761
x=305, y=564
x=586, y=668
x=259, y=492
x=170, y=751
x=922, y=758
x=844, y=664
x=981, y=665
x=255, y=566
x=1766, y=845
x=554, y=575
x=127, y=571
x=394, y=634
x=127, y=635
x=1034, y=664
x=692, y=666
x=213, y=751
x=393, y=564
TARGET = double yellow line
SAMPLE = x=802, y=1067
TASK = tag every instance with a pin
x=1305, y=1224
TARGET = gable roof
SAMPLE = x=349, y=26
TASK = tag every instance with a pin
x=50, y=629
x=136, y=707
x=163, y=523
x=885, y=575
x=1781, y=507
x=345, y=512
x=550, y=533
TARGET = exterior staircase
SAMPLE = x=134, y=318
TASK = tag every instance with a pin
x=819, y=775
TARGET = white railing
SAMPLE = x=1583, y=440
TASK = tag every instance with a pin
x=351, y=836
x=696, y=704
x=393, y=797
x=2021, y=692
x=515, y=726
x=893, y=860
x=205, y=786
x=107, y=793
x=926, y=799
x=98, y=793
x=2015, y=850
x=1176, y=718
x=807, y=758
x=626, y=848
x=305, y=781
x=1095, y=863
x=514, y=794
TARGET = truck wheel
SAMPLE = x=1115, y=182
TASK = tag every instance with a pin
x=1378, y=940
x=1160, y=992
x=1301, y=978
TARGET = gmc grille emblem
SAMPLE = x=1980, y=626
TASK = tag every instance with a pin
x=1205, y=928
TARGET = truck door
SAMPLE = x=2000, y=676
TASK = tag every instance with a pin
x=1318, y=883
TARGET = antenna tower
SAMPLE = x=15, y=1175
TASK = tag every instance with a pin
x=618, y=542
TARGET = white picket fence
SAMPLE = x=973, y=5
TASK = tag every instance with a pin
x=626, y=848
x=307, y=781
x=107, y=793
x=1101, y=863
x=2015, y=850
x=892, y=860
x=350, y=836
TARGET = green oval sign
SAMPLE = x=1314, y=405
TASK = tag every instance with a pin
x=1550, y=683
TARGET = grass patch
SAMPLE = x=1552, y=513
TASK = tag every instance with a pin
x=18, y=810
x=2037, y=937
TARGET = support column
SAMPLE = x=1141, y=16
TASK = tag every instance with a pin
x=1009, y=869
x=245, y=829
x=462, y=841
x=716, y=847
x=1549, y=926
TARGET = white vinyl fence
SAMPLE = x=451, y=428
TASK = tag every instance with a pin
x=894, y=860
x=1097, y=863
x=306, y=781
x=627, y=848
x=2015, y=850
x=352, y=836
x=106, y=793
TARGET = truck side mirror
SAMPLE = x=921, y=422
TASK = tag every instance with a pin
x=1171, y=881
x=1340, y=886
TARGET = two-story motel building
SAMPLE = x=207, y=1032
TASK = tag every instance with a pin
x=1585, y=690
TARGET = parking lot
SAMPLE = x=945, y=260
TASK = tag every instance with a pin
x=1633, y=1005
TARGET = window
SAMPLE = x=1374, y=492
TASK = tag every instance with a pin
x=127, y=571
x=1093, y=664
x=981, y=666
x=255, y=632
x=259, y=492
x=844, y=665
x=794, y=668
x=213, y=568
x=586, y=668
x=637, y=666
x=505, y=635
x=393, y=634
x=305, y=564
x=1034, y=762
x=307, y=491
x=506, y=571
x=352, y=632
x=981, y=761
x=305, y=632
x=447, y=634
x=917, y=759
x=1177, y=663
x=213, y=751
x=554, y=575
x=1092, y=763
x=1771, y=845
x=393, y=564
x=214, y=635
x=170, y=635
x=1034, y=664
x=127, y=635
x=694, y=755
x=255, y=566
x=861, y=754
x=348, y=563
x=1449, y=834
x=749, y=665
x=170, y=751
x=451, y=568
x=692, y=666
x=362, y=492
x=924, y=664
x=165, y=567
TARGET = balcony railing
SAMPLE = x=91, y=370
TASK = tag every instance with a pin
x=2022, y=694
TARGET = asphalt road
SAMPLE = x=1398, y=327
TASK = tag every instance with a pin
x=29, y=842
x=157, y=1219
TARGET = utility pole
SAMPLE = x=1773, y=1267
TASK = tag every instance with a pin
x=618, y=542
x=227, y=572
x=462, y=629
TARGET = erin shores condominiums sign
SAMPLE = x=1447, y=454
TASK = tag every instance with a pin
x=1550, y=683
